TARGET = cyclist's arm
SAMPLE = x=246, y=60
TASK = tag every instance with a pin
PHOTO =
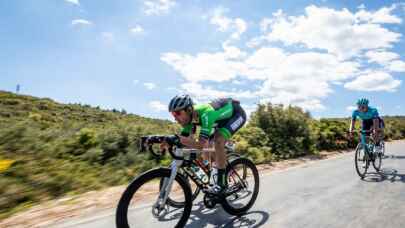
x=376, y=124
x=187, y=139
x=207, y=123
x=376, y=121
x=353, y=121
x=191, y=143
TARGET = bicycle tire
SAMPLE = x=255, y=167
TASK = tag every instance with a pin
x=377, y=162
x=122, y=208
x=246, y=164
x=356, y=161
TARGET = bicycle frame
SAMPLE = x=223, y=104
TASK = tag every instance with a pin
x=187, y=155
x=363, y=141
x=366, y=145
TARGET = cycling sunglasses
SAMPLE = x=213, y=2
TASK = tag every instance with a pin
x=176, y=113
x=362, y=107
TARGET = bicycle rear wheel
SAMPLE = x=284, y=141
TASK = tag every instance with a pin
x=377, y=161
x=243, y=186
x=138, y=204
x=382, y=148
x=232, y=156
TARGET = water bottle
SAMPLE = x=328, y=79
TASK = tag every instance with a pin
x=200, y=174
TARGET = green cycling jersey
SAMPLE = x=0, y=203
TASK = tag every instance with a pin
x=208, y=116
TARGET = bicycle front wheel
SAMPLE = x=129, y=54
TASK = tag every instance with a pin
x=140, y=204
x=243, y=186
x=361, y=161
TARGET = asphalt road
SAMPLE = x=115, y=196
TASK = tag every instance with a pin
x=325, y=193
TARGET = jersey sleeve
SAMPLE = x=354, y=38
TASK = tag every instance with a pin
x=354, y=115
x=375, y=113
x=207, y=123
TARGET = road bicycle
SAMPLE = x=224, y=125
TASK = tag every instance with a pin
x=367, y=152
x=164, y=195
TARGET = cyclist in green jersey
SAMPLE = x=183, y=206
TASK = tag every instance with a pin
x=219, y=119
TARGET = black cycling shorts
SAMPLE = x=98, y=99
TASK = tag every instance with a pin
x=230, y=126
x=368, y=124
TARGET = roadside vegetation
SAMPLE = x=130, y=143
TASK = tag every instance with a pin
x=49, y=150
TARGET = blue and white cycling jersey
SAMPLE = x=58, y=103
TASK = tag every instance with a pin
x=371, y=113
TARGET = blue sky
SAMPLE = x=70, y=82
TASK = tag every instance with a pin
x=136, y=55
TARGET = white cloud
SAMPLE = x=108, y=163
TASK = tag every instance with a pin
x=338, y=31
x=232, y=52
x=396, y=66
x=389, y=60
x=255, y=42
x=220, y=20
x=351, y=108
x=137, y=29
x=238, y=26
x=374, y=81
x=157, y=106
x=381, y=57
x=149, y=85
x=217, y=67
x=249, y=109
x=74, y=2
x=158, y=7
x=83, y=22
x=237, y=82
x=265, y=24
x=275, y=63
x=298, y=78
x=303, y=77
x=205, y=93
x=380, y=16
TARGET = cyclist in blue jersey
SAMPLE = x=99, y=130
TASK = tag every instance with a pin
x=370, y=119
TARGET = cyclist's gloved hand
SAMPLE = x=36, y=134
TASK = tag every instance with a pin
x=164, y=146
x=173, y=140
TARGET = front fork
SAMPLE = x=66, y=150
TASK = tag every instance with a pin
x=159, y=208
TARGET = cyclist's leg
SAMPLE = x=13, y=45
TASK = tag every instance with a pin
x=381, y=130
x=220, y=159
x=225, y=132
x=210, y=156
x=366, y=125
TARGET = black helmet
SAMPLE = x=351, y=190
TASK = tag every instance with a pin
x=180, y=102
